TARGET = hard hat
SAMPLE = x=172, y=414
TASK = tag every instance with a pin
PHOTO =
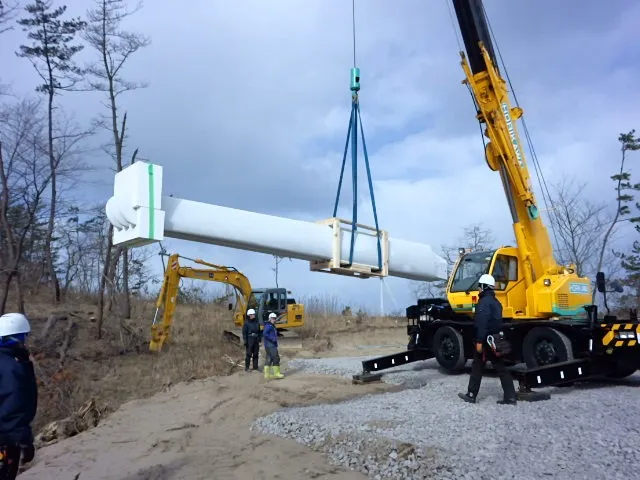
x=272, y=315
x=487, y=279
x=251, y=311
x=13, y=324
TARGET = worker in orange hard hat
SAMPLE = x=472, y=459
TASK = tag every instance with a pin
x=251, y=335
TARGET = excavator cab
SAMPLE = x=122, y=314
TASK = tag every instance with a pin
x=270, y=300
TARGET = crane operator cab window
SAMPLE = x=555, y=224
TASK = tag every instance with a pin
x=470, y=268
x=505, y=270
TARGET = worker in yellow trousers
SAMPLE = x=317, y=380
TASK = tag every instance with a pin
x=270, y=337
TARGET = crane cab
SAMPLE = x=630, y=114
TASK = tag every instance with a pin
x=556, y=295
x=503, y=264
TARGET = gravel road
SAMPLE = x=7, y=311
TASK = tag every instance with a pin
x=426, y=431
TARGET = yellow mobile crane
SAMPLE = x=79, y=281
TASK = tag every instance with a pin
x=554, y=329
x=264, y=300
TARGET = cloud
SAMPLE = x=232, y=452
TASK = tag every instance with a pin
x=248, y=106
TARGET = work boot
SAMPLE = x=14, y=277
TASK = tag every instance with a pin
x=467, y=397
x=275, y=372
x=267, y=372
x=507, y=401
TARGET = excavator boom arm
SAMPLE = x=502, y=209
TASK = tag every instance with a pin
x=160, y=332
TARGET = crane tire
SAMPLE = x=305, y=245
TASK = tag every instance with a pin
x=545, y=346
x=448, y=348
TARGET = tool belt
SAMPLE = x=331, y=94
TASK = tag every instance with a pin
x=499, y=344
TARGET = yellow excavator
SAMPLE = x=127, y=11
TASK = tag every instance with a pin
x=264, y=300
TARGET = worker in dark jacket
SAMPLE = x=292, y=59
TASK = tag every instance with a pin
x=18, y=395
x=272, y=364
x=488, y=321
x=251, y=336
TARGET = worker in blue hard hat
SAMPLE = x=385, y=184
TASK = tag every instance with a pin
x=18, y=395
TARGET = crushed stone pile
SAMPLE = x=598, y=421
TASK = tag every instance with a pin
x=426, y=431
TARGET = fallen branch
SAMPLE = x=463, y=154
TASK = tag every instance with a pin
x=51, y=321
x=87, y=416
x=233, y=363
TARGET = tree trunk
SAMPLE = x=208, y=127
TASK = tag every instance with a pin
x=20, y=292
x=111, y=278
x=6, y=287
x=126, y=304
x=52, y=211
x=103, y=283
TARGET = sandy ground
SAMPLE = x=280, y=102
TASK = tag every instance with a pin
x=200, y=430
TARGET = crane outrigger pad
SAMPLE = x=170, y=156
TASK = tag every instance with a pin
x=556, y=374
x=389, y=361
x=548, y=375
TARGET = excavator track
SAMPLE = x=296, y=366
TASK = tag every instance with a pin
x=289, y=340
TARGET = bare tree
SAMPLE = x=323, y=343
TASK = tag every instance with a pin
x=579, y=225
x=474, y=237
x=8, y=11
x=427, y=289
x=24, y=179
x=51, y=55
x=114, y=47
x=276, y=268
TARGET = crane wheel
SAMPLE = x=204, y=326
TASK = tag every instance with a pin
x=448, y=348
x=544, y=346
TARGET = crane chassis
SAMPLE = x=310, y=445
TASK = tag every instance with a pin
x=556, y=334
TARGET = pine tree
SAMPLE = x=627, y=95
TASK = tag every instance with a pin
x=51, y=55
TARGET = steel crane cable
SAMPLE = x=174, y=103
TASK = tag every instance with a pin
x=352, y=133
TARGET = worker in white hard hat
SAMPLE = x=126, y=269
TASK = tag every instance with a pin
x=18, y=395
x=251, y=335
x=270, y=335
x=488, y=323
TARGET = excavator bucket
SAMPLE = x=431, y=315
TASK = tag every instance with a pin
x=233, y=335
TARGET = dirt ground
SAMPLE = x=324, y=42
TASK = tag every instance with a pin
x=200, y=429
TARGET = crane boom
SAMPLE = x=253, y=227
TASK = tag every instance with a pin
x=504, y=152
x=530, y=283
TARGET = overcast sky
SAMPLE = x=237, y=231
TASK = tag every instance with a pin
x=248, y=106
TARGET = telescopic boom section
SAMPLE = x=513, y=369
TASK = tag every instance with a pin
x=504, y=151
